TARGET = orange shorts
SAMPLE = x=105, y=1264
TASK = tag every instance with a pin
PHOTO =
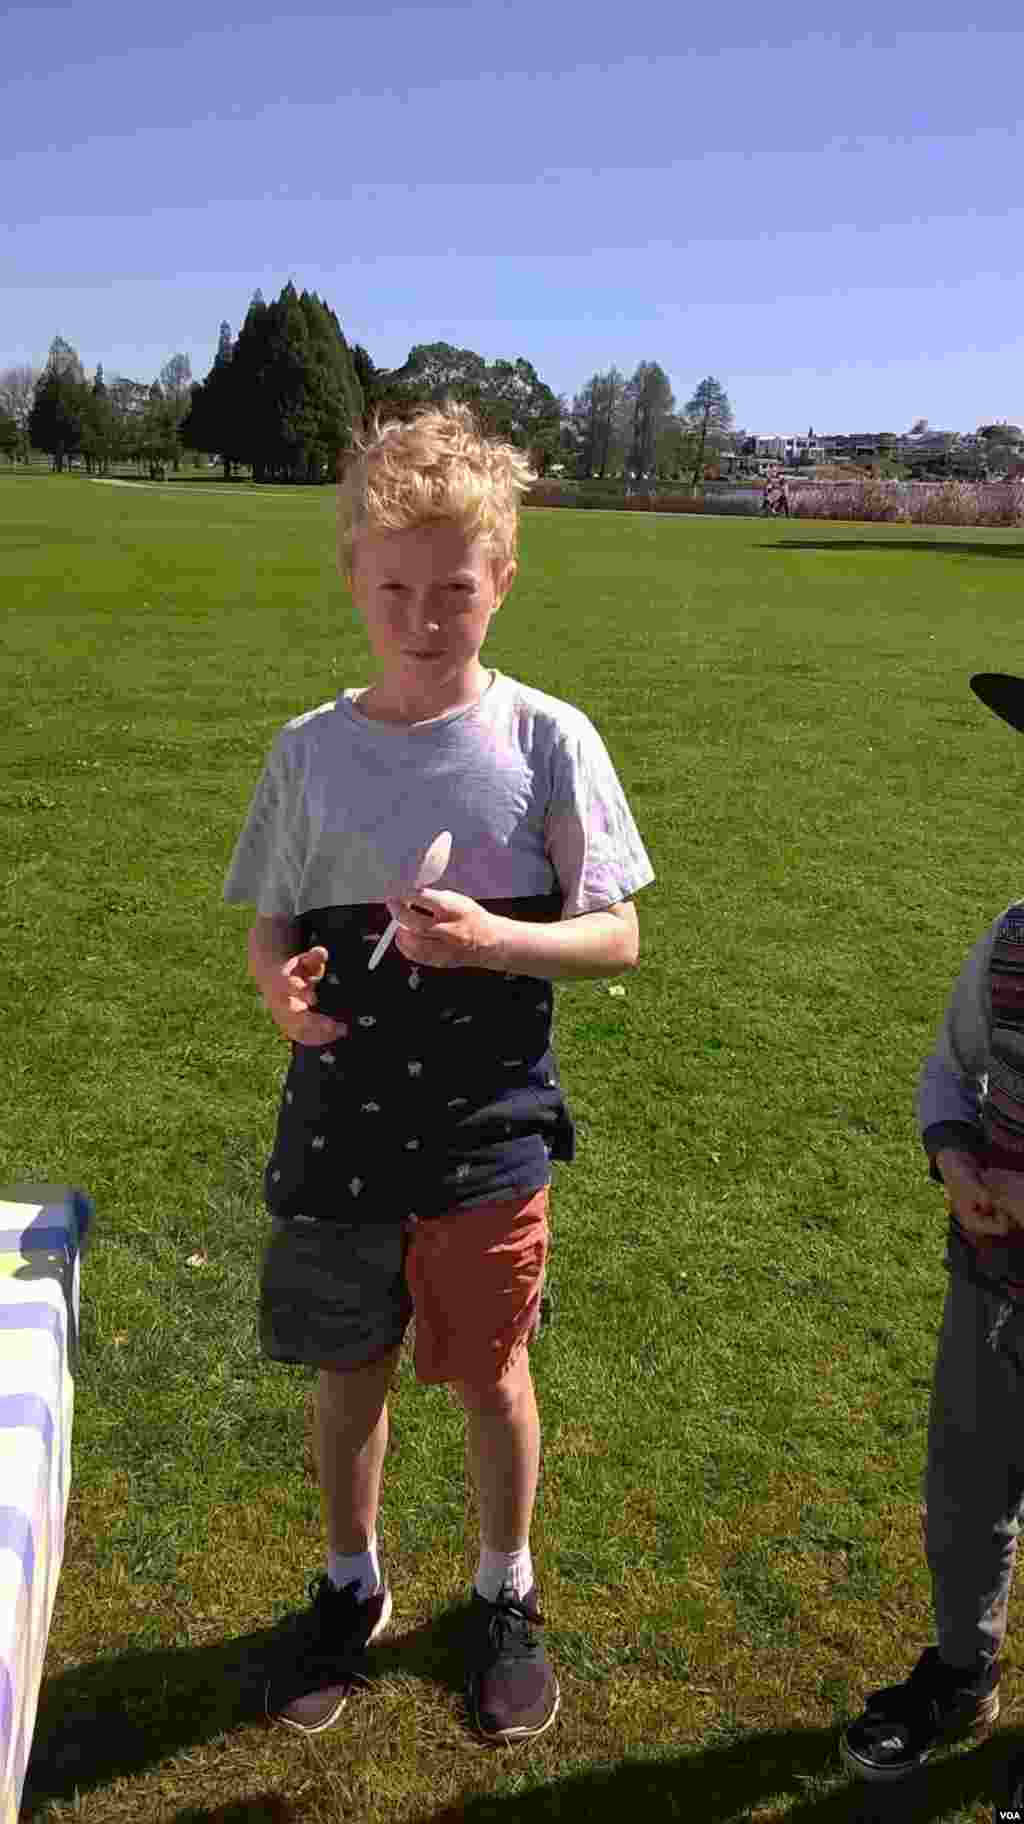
x=340, y=1296
x=475, y=1278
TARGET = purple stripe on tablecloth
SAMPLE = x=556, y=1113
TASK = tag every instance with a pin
x=22, y=1749
x=37, y=1241
x=6, y=1709
x=16, y=1536
x=34, y=1316
x=30, y=1410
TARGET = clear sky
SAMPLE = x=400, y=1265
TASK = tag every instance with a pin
x=829, y=219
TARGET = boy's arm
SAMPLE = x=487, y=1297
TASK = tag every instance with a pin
x=573, y=949
x=948, y=1096
x=271, y=942
x=290, y=997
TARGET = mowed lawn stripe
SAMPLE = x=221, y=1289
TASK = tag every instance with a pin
x=747, y=1265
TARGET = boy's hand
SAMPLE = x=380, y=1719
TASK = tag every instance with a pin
x=969, y=1194
x=1006, y=1189
x=289, y=992
x=456, y=932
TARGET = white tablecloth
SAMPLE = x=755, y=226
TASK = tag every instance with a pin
x=42, y=1236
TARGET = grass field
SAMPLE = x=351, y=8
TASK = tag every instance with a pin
x=747, y=1267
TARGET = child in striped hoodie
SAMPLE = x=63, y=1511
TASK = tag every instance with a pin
x=970, y=1109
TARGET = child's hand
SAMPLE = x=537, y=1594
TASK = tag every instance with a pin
x=1006, y=1189
x=970, y=1197
x=290, y=993
x=454, y=932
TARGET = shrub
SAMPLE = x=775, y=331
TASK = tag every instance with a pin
x=965, y=503
x=871, y=500
x=946, y=503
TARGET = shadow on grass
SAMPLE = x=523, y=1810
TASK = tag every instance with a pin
x=118, y=1716
x=751, y=1774
x=257, y=1808
x=943, y=545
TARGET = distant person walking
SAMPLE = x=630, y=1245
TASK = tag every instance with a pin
x=776, y=497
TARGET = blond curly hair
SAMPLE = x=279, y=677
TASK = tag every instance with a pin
x=434, y=466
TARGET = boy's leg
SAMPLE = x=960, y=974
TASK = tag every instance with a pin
x=974, y=1481
x=503, y=1454
x=476, y=1277
x=971, y=1513
x=351, y=1441
x=512, y=1688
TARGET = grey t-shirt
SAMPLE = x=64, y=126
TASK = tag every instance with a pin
x=444, y=1092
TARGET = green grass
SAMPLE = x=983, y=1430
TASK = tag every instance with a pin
x=747, y=1263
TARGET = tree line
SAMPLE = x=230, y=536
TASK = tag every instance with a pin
x=284, y=398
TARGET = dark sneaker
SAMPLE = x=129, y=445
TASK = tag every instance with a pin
x=325, y=1657
x=1011, y=1807
x=902, y=1725
x=512, y=1690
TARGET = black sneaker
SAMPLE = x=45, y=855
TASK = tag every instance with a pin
x=1011, y=1806
x=324, y=1658
x=902, y=1725
x=512, y=1690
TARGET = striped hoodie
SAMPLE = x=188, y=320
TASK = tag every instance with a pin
x=971, y=1089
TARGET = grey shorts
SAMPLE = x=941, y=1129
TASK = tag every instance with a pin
x=340, y=1296
x=331, y=1293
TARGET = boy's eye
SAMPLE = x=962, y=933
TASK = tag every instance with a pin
x=459, y=588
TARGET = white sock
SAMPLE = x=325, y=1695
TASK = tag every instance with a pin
x=497, y=1568
x=363, y=1567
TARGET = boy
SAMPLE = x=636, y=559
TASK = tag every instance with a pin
x=411, y=1169
x=971, y=1113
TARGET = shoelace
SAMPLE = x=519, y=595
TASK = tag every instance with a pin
x=917, y=1700
x=510, y=1617
x=320, y=1652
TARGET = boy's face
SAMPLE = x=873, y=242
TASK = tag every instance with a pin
x=427, y=597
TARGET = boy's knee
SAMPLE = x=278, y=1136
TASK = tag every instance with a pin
x=353, y=1390
x=501, y=1394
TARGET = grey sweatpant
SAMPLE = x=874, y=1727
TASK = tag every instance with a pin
x=974, y=1481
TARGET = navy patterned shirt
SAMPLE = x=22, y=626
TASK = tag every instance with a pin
x=444, y=1091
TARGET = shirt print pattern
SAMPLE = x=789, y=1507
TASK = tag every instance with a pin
x=446, y=1095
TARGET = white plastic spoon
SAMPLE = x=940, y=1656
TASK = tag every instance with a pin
x=430, y=869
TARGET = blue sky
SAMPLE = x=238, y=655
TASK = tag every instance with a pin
x=827, y=218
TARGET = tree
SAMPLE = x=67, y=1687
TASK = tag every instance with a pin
x=517, y=406
x=433, y=372
x=10, y=437
x=599, y=425
x=508, y=398
x=335, y=398
x=17, y=393
x=176, y=380
x=284, y=398
x=677, y=447
x=59, y=405
x=1001, y=445
x=651, y=400
x=176, y=387
x=128, y=401
x=156, y=441
x=709, y=413
x=99, y=440
x=372, y=382
x=209, y=422
x=918, y=428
